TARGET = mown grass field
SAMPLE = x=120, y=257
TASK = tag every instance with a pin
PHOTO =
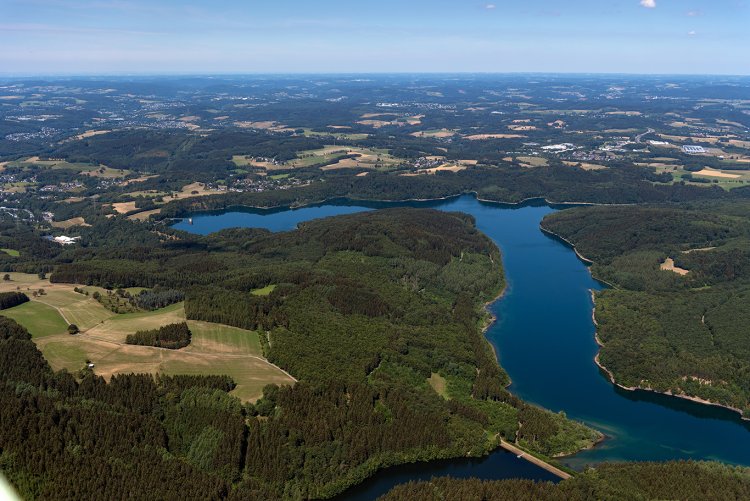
x=264, y=291
x=215, y=348
x=41, y=320
x=82, y=167
x=345, y=136
x=727, y=179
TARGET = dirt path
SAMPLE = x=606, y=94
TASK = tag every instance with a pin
x=56, y=308
x=535, y=460
x=199, y=354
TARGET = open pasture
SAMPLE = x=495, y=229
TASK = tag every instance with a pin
x=215, y=349
x=435, y=133
x=484, y=137
x=727, y=179
x=68, y=223
x=337, y=131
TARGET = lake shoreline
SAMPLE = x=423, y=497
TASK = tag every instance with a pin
x=611, y=377
x=514, y=448
x=489, y=323
x=330, y=200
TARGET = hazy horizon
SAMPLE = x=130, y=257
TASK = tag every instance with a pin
x=13, y=76
x=230, y=37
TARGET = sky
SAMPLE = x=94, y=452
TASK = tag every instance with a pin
x=82, y=37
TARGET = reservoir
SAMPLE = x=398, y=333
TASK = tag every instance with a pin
x=544, y=337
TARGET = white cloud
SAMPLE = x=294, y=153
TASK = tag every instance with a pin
x=692, y=33
x=489, y=6
x=649, y=4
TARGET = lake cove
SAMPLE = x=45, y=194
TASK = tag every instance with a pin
x=544, y=337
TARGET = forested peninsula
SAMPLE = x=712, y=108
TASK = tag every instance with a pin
x=675, y=319
x=378, y=315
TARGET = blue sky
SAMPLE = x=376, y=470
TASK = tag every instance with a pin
x=320, y=36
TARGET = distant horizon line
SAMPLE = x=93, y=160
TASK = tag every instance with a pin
x=361, y=73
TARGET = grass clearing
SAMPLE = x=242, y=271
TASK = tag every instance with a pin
x=89, y=169
x=344, y=136
x=439, y=384
x=90, y=133
x=532, y=161
x=446, y=167
x=217, y=338
x=727, y=180
x=11, y=252
x=143, y=216
x=337, y=156
x=192, y=190
x=215, y=348
x=585, y=165
x=435, y=133
x=117, y=326
x=268, y=125
x=68, y=223
x=106, y=173
x=709, y=172
x=484, y=137
x=264, y=291
x=124, y=207
x=40, y=319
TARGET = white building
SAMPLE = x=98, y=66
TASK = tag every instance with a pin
x=692, y=149
x=63, y=240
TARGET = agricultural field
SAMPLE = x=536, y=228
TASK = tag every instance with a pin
x=40, y=319
x=336, y=157
x=585, y=165
x=338, y=132
x=435, y=133
x=83, y=168
x=727, y=179
x=484, y=137
x=69, y=223
x=215, y=349
x=106, y=173
x=529, y=161
x=189, y=190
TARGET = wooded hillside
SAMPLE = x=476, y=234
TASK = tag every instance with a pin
x=677, y=320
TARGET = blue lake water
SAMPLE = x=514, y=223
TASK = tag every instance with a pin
x=544, y=338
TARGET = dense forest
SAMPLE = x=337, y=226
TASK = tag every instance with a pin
x=172, y=337
x=11, y=299
x=675, y=319
x=366, y=311
x=624, y=184
x=608, y=482
x=379, y=316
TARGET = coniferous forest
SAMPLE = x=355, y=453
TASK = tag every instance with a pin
x=609, y=482
x=366, y=309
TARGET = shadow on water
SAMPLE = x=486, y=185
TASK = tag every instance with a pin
x=499, y=465
x=695, y=409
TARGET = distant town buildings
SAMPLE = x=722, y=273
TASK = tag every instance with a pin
x=692, y=149
x=559, y=147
